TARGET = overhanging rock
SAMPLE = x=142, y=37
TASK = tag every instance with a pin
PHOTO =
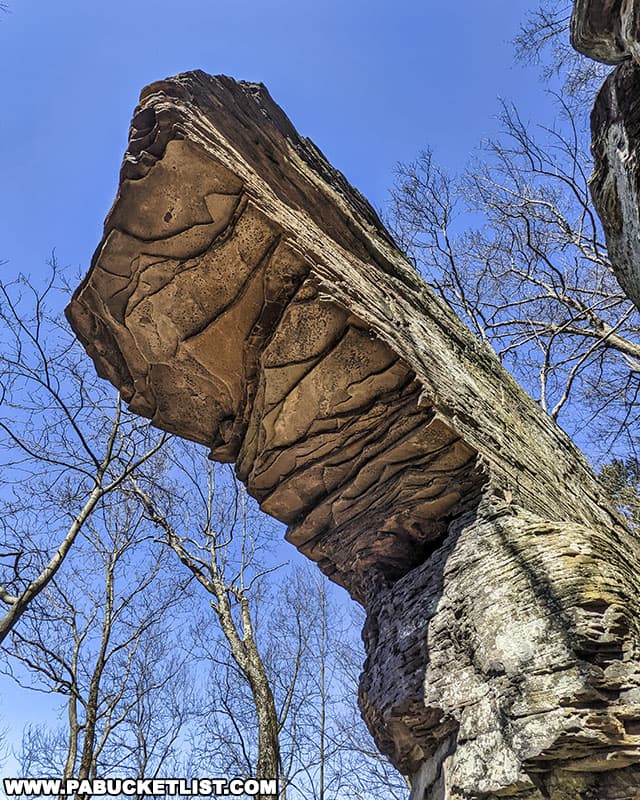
x=606, y=30
x=246, y=297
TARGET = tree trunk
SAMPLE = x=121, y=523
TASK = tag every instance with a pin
x=268, y=766
x=246, y=297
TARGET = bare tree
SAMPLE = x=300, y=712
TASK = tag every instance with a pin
x=66, y=442
x=515, y=246
x=280, y=699
x=102, y=636
x=545, y=40
x=228, y=729
x=333, y=754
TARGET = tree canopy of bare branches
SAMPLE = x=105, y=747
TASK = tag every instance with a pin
x=515, y=246
x=66, y=442
x=283, y=672
x=545, y=41
x=103, y=637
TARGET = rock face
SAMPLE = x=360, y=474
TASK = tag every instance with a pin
x=246, y=297
x=615, y=182
x=606, y=30
x=610, y=32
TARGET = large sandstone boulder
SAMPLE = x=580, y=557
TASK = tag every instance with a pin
x=246, y=297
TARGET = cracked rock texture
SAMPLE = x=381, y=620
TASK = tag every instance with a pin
x=246, y=297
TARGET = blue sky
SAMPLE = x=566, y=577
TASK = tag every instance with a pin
x=370, y=82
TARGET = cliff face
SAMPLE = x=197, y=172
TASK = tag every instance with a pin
x=606, y=30
x=246, y=297
x=610, y=32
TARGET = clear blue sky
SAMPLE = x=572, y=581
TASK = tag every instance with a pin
x=370, y=82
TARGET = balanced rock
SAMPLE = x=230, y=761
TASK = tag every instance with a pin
x=246, y=297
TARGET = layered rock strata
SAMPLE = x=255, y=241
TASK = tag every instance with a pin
x=246, y=297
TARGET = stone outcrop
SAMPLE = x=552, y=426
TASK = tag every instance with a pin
x=606, y=30
x=610, y=32
x=615, y=181
x=246, y=297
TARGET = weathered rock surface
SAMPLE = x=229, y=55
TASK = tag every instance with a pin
x=615, y=182
x=606, y=30
x=246, y=297
x=609, y=31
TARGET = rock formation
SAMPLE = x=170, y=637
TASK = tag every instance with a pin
x=606, y=30
x=246, y=297
x=610, y=32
